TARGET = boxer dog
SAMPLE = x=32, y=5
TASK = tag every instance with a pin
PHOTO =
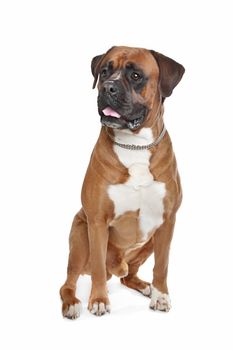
x=131, y=191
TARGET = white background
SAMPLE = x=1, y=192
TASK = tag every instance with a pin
x=49, y=125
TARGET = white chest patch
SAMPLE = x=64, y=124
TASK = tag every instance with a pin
x=140, y=192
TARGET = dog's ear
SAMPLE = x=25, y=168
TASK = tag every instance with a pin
x=95, y=66
x=170, y=73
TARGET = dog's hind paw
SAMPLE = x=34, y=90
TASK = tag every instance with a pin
x=146, y=291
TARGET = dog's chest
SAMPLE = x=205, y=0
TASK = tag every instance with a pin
x=140, y=192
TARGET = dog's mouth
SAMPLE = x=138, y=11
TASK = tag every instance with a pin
x=113, y=119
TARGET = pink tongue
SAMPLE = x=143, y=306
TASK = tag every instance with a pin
x=108, y=111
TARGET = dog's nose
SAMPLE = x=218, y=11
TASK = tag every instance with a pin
x=110, y=88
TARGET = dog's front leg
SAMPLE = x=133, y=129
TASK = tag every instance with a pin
x=162, y=239
x=98, y=241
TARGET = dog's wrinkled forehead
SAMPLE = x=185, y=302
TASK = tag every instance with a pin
x=120, y=58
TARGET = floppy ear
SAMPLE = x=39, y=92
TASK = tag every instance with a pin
x=170, y=73
x=95, y=65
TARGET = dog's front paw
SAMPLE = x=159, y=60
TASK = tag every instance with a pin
x=71, y=306
x=159, y=301
x=71, y=311
x=99, y=306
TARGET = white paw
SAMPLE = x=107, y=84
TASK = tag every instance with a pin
x=146, y=291
x=100, y=309
x=73, y=311
x=159, y=301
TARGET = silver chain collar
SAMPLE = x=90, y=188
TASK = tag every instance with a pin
x=139, y=147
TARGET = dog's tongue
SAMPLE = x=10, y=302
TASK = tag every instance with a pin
x=108, y=111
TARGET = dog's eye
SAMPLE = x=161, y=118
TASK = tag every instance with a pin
x=104, y=73
x=135, y=76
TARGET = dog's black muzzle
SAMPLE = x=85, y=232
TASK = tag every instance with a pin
x=116, y=107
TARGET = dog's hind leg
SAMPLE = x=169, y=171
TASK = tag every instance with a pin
x=134, y=262
x=78, y=257
x=115, y=262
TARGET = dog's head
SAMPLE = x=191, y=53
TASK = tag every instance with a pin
x=132, y=82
